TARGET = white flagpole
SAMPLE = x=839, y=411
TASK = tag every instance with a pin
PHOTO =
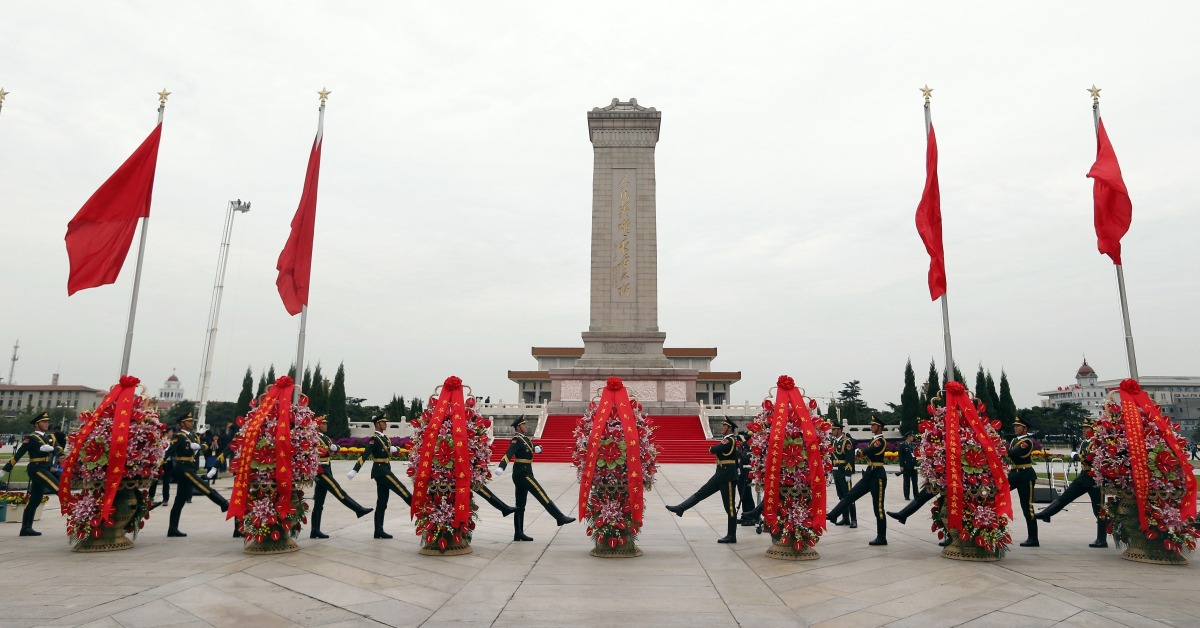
x=1129, y=352
x=945, y=304
x=137, y=273
x=324, y=94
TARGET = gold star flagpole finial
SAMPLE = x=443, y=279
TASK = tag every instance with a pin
x=324, y=94
x=162, y=97
x=927, y=91
x=1095, y=92
x=2, y=95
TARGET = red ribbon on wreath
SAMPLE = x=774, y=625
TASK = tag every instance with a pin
x=279, y=396
x=1134, y=402
x=120, y=401
x=449, y=403
x=959, y=408
x=614, y=401
x=790, y=403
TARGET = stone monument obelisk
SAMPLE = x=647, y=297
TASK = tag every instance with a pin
x=623, y=338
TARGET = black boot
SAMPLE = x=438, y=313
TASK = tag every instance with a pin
x=880, y=532
x=27, y=520
x=680, y=508
x=559, y=518
x=173, y=525
x=1032, y=541
x=496, y=502
x=237, y=529
x=519, y=526
x=1049, y=511
x=29, y=532
x=752, y=517
x=1101, y=535
x=316, y=532
x=379, y=533
x=219, y=500
x=731, y=532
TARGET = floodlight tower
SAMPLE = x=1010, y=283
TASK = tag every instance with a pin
x=214, y=311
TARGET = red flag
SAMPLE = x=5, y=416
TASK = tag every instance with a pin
x=929, y=221
x=295, y=261
x=99, y=235
x=1114, y=211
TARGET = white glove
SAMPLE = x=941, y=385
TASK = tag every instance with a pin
x=195, y=446
x=47, y=448
x=212, y=473
x=499, y=472
x=334, y=448
x=393, y=449
x=350, y=476
x=537, y=449
x=3, y=473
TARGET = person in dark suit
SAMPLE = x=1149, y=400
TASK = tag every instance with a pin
x=745, y=489
x=724, y=479
x=520, y=453
x=163, y=474
x=1083, y=483
x=41, y=447
x=1022, y=477
x=379, y=450
x=326, y=483
x=908, y=465
x=874, y=480
x=183, y=453
x=843, y=472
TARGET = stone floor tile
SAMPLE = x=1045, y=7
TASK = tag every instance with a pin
x=1001, y=619
x=391, y=612
x=1043, y=607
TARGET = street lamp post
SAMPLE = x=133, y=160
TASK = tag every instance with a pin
x=214, y=311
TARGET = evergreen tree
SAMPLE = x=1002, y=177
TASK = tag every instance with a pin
x=271, y=375
x=396, y=409
x=930, y=389
x=910, y=402
x=318, y=399
x=993, y=400
x=292, y=373
x=339, y=422
x=853, y=407
x=831, y=412
x=416, y=408
x=262, y=386
x=981, y=385
x=243, y=402
x=1006, y=411
x=306, y=383
x=958, y=376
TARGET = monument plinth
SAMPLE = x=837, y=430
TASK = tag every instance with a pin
x=623, y=338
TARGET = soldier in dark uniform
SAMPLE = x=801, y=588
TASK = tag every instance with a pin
x=183, y=453
x=843, y=471
x=724, y=479
x=40, y=446
x=908, y=465
x=1022, y=477
x=379, y=450
x=520, y=453
x=163, y=474
x=745, y=490
x=327, y=484
x=874, y=480
x=1083, y=483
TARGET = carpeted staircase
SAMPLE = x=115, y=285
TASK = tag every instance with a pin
x=680, y=439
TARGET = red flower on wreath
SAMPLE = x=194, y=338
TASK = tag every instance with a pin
x=453, y=383
x=1131, y=386
x=444, y=449
x=609, y=452
x=614, y=383
x=785, y=382
x=975, y=458
x=129, y=380
x=754, y=427
x=284, y=381
x=792, y=455
x=955, y=388
x=264, y=455
x=1165, y=462
x=925, y=426
x=93, y=450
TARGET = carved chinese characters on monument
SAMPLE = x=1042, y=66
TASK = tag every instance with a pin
x=624, y=234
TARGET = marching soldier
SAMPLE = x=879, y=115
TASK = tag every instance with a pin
x=908, y=465
x=327, y=484
x=745, y=490
x=163, y=474
x=874, y=480
x=40, y=446
x=380, y=451
x=843, y=471
x=520, y=453
x=1083, y=483
x=183, y=454
x=1022, y=477
x=723, y=479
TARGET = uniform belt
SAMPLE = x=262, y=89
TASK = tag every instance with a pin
x=874, y=464
x=325, y=460
x=523, y=460
x=721, y=462
x=1022, y=466
x=181, y=458
x=381, y=459
x=46, y=459
x=1086, y=467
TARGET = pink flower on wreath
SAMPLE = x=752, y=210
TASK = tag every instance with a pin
x=614, y=383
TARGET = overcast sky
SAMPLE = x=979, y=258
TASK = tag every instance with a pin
x=453, y=220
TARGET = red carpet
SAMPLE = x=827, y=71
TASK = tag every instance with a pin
x=680, y=439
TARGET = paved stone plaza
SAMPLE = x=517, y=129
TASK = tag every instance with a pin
x=684, y=579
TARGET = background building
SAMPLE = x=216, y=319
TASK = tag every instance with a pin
x=1178, y=396
x=17, y=397
x=170, y=394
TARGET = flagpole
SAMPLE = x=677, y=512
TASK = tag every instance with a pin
x=324, y=95
x=945, y=304
x=1129, y=352
x=137, y=273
